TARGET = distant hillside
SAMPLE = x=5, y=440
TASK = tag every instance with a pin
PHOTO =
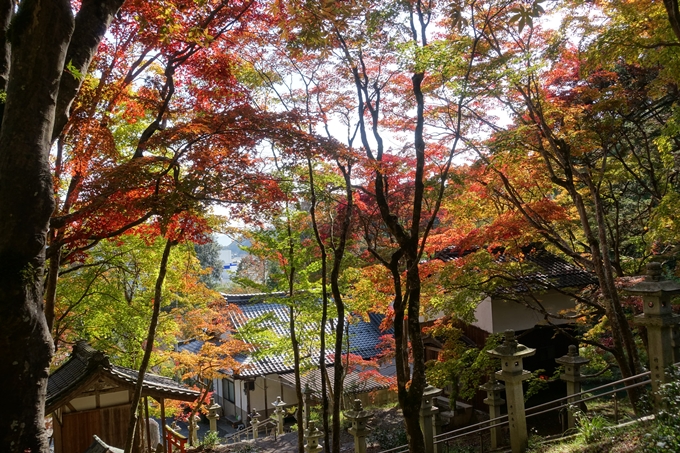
x=235, y=247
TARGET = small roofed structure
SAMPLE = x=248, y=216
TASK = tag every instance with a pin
x=89, y=396
x=99, y=446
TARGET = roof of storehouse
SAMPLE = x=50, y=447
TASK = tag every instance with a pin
x=547, y=270
x=364, y=337
x=86, y=363
x=354, y=382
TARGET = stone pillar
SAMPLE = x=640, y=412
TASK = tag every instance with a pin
x=427, y=412
x=359, y=429
x=213, y=416
x=572, y=363
x=194, y=431
x=278, y=411
x=308, y=402
x=493, y=399
x=512, y=373
x=659, y=320
x=312, y=436
x=255, y=422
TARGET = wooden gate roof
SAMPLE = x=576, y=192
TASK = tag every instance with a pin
x=87, y=364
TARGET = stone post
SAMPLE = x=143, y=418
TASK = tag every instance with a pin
x=572, y=363
x=213, y=416
x=312, y=436
x=308, y=400
x=255, y=422
x=427, y=412
x=493, y=399
x=359, y=429
x=512, y=373
x=659, y=320
x=194, y=431
x=278, y=411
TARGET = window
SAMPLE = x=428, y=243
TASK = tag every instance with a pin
x=228, y=390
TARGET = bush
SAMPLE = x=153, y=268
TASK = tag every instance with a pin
x=665, y=435
x=389, y=438
x=210, y=440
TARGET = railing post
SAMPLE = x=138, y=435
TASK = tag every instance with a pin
x=572, y=363
x=359, y=429
x=278, y=411
x=427, y=412
x=213, y=416
x=512, y=373
x=493, y=399
x=255, y=423
x=659, y=319
x=312, y=435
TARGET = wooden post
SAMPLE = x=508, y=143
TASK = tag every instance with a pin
x=148, y=428
x=163, y=433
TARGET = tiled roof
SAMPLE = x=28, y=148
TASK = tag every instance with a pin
x=548, y=271
x=355, y=381
x=364, y=337
x=85, y=362
x=99, y=446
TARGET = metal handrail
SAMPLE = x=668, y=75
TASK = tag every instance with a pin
x=249, y=430
x=584, y=396
x=530, y=412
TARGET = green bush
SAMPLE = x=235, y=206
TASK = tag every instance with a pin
x=210, y=440
x=665, y=435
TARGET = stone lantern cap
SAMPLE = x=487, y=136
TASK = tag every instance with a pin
x=492, y=385
x=431, y=392
x=357, y=411
x=510, y=348
x=307, y=391
x=278, y=403
x=254, y=415
x=653, y=285
x=572, y=357
x=213, y=405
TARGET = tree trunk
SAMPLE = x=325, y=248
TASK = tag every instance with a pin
x=151, y=336
x=39, y=39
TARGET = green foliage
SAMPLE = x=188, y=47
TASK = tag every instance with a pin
x=209, y=256
x=210, y=440
x=665, y=435
x=591, y=429
x=388, y=438
x=460, y=366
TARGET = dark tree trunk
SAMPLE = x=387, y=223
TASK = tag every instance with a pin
x=39, y=39
x=36, y=51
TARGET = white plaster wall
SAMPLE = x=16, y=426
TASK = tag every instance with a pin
x=484, y=316
x=84, y=403
x=513, y=315
x=257, y=399
x=114, y=399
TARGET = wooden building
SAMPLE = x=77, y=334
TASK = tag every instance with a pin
x=88, y=396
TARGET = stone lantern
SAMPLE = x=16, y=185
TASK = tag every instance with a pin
x=512, y=373
x=493, y=399
x=279, y=411
x=572, y=363
x=255, y=422
x=213, y=416
x=359, y=429
x=659, y=320
x=308, y=402
x=427, y=413
x=312, y=436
